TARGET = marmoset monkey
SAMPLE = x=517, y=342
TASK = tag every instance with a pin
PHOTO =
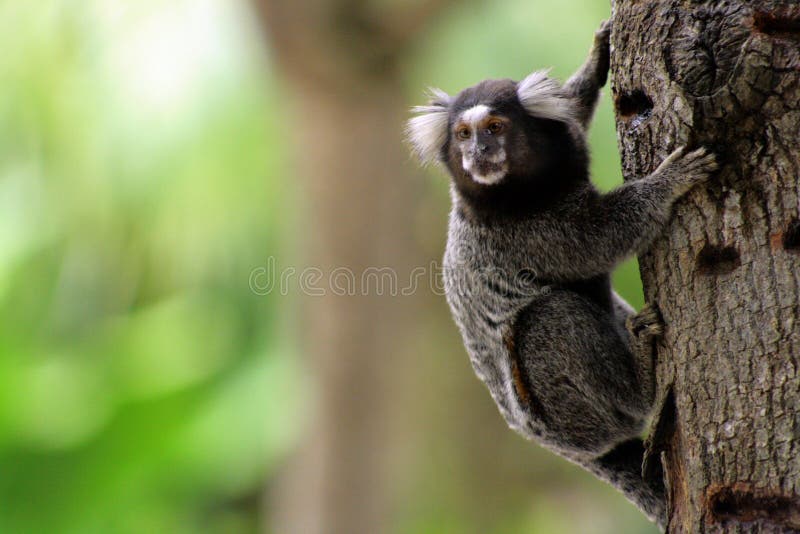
x=530, y=249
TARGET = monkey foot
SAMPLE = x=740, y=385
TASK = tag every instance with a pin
x=647, y=323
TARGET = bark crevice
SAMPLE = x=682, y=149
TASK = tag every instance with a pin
x=743, y=503
x=726, y=273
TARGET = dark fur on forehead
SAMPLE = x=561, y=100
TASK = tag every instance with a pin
x=497, y=94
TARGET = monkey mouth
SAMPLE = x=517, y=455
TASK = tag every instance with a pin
x=484, y=170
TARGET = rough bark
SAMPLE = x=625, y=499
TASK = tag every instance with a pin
x=726, y=275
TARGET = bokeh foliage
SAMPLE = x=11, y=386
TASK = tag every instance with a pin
x=143, y=386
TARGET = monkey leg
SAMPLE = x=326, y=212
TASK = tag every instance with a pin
x=576, y=361
x=644, y=329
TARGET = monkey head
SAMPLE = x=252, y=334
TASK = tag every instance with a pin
x=501, y=136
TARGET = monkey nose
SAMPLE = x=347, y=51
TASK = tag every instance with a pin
x=482, y=149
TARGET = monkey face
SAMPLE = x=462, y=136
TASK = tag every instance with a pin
x=492, y=140
x=502, y=138
x=480, y=136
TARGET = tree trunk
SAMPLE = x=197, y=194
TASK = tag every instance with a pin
x=341, y=61
x=726, y=275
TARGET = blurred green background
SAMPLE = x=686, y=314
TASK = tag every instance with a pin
x=145, y=172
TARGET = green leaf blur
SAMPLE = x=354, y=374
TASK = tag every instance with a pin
x=144, y=387
x=140, y=378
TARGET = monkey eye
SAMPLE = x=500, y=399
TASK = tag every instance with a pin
x=495, y=127
x=463, y=133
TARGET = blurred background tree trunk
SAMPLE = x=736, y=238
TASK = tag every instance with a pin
x=360, y=192
x=726, y=276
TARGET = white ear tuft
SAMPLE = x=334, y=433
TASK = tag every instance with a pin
x=542, y=96
x=427, y=132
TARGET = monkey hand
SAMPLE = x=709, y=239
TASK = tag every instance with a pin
x=687, y=169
